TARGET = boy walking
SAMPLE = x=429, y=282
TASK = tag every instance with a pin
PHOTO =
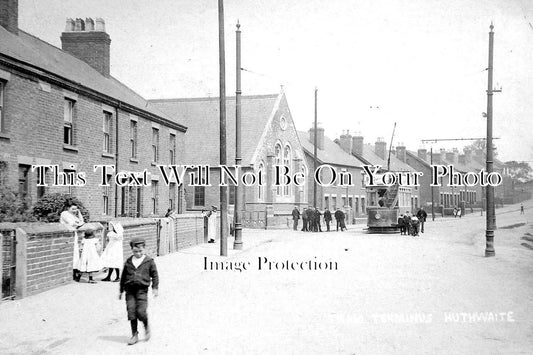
x=139, y=270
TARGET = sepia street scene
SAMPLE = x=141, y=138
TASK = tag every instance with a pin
x=266, y=177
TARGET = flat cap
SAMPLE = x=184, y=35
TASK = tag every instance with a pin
x=136, y=241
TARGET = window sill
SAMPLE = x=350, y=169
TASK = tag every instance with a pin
x=108, y=155
x=133, y=160
x=70, y=148
x=154, y=163
x=4, y=135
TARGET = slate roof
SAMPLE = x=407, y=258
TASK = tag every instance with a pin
x=201, y=116
x=372, y=158
x=331, y=154
x=44, y=57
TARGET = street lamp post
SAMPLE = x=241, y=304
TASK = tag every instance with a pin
x=239, y=203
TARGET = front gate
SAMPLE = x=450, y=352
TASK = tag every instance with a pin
x=9, y=261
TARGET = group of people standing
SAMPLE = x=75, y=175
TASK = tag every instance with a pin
x=87, y=258
x=311, y=219
x=412, y=225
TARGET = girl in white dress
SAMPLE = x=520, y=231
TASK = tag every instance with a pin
x=90, y=260
x=113, y=257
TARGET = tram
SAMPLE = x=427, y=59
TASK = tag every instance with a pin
x=385, y=205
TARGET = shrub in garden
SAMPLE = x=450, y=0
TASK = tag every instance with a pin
x=12, y=208
x=50, y=206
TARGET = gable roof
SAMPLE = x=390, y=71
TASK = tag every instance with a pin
x=201, y=115
x=42, y=58
x=331, y=154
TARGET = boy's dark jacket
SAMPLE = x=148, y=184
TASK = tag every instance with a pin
x=133, y=278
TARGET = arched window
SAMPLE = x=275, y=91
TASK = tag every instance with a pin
x=278, y=161
x=287, y=161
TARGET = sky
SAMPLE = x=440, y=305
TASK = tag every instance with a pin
x=419, y=63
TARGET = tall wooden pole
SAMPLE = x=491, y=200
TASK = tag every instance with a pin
x=239, y=203
x=491, y=213
x=315, y=163
x=432, y=188
x=223, y=189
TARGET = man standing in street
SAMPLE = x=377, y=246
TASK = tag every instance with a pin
x=327, y=218
x=422, y=215
x=338, y=217
x=295, y=217
x=407, y=222
x=311, y=219
x=521, y=208
x=317, y=220
x=305, y=221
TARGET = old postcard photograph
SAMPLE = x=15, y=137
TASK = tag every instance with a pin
x=266, y=177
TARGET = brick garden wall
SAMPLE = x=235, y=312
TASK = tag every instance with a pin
x=44, y=250
x=189, y=230
x=48, y=258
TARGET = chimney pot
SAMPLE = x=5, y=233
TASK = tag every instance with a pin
x=89, y=24
x=69, y=26
x=100, y=24
x=80, y=25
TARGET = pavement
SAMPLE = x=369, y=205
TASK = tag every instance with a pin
x=364, y=294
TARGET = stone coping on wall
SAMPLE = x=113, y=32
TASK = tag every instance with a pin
x=187, y=216
x=32, y=228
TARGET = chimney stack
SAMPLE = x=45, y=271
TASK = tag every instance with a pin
x=401, y=152
x=319, y=138
x=468, y=155
x=437, y=158
x=9, y=15
x=423, y=154
x=452, y=157
x=442, y=156
x=357, y=144
x=88, y=41
x=345, y=141
x=381, y=148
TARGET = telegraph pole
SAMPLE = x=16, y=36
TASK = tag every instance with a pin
x=432, y=194
x=223, y=189
x=491, y=213
x=315, y=150
x=239, y=203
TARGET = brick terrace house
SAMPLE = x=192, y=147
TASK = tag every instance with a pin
x=445, y=196
x=351, y=199
x=62, y=107
x=377, y=154
x=268, y=138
